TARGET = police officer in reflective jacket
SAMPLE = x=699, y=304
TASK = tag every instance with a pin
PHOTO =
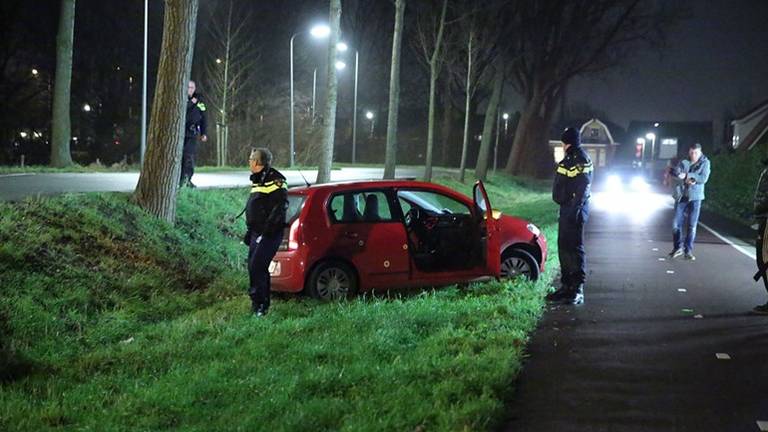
x=195, y=126
x=265, y=217
x=571, y=190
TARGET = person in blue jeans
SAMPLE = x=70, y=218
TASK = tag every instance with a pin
x=689, y=178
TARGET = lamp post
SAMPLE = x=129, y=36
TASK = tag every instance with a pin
x=314, y=93
x=318, y=32
x=342, y=47
x=505, y=116
x=652, y=136
x=496, y=146
x=369, y=115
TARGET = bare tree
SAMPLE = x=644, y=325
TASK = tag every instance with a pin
x=557, y=40
x=390, y=159
x=229, y=71
x=60, y=152
x=331, y=94
x=430, y=29
x=159, y=178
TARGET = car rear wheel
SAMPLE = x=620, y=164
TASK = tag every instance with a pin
x=332, y=280
x=519, y=263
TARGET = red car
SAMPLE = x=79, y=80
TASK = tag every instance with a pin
x=347, y=237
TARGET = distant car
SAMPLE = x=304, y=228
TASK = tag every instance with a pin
x=624, y=178
x=349, y=237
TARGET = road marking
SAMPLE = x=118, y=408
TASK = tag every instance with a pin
x=726, y=240
x=655, y=249
x=16, y=175
x=662, y=259
x=699, y=316
x=722, y=356
x=670, y=272
x=763, y=425
x=682, y=290
x=687, y=310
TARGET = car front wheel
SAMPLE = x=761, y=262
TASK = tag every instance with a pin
x=519, y=263
x=332, y=280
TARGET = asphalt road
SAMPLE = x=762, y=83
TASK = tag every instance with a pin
x=14, y=187
x=642, y=353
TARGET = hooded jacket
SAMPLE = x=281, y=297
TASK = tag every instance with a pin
x=267, y=203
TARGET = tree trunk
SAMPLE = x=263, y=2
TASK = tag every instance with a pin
x=62, y=133
x=467, y=113
x=159, y=178
x=331, y=96
x=223, y=145
x=531, y=155
x=481, y=169
x=447, y=128
x=431, y=123
x=390, y=159
x=434, y=71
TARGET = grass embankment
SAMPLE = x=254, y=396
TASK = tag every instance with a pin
x=732, y=184
x=112, y=320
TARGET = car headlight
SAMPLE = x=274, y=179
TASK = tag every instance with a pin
x=613, y=182
x=534, y=229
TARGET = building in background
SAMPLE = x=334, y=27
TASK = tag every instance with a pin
x=596, y=139
x=751, y=129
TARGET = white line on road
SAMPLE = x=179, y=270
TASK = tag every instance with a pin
x=682, y=290
x=16, y=175
x=739, y=248
x=722, y=356
x=763, y=425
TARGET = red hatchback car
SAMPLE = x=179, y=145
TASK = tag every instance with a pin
x=346, y=237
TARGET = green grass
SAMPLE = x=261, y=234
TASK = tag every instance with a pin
x=110, y=320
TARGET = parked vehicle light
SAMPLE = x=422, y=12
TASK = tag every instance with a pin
x=639, y=184
x=293, y=236
x=613, y=183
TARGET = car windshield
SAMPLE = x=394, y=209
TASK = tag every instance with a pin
x=295, y=203
x=433, y=202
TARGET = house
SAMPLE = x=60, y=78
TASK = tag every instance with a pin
x=751, y=129
x=596, y=139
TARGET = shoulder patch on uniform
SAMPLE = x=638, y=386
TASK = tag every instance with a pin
x=201, y=106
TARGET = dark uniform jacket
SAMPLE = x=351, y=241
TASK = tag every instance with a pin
x=195, y=123
x=267, y=203
x=573, y=179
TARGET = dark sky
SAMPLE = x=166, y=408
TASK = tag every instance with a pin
x=715, y=61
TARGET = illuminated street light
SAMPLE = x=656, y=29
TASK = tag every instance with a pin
x=23, y=134
x=505, y=116
x=318, y=32
x=652, y=136
x=35, y=72
x=340, y=65
x=342, y=47
x=218, y=61
x=369, y=115
x=87, y=108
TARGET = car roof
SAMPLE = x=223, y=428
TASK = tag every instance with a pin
x=372, y=184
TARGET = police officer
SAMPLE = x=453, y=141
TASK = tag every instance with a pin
x=571, y=190
x=195, y=125
x=265, y=217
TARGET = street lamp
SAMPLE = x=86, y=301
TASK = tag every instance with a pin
x=35, y=72
x=87, y=108
x=318, y=32
x=218, y=61
x=340, y=65
x=143, y=146
x=505, y=116
x=652, y=136
x=369, y=115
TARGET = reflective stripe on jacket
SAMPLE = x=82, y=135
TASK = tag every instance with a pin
x=573, y=178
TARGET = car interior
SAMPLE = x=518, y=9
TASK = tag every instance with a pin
x=443, y=232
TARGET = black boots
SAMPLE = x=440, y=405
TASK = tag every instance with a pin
x=568, y=295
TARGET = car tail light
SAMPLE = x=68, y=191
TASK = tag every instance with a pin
x=293, y=236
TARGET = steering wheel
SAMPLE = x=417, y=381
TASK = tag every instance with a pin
x=412, y=216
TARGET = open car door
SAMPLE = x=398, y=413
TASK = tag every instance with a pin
x=489, y=229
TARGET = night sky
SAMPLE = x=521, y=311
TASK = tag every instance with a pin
x=716, y=61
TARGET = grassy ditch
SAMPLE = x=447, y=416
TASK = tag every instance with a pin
x=111, y=320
